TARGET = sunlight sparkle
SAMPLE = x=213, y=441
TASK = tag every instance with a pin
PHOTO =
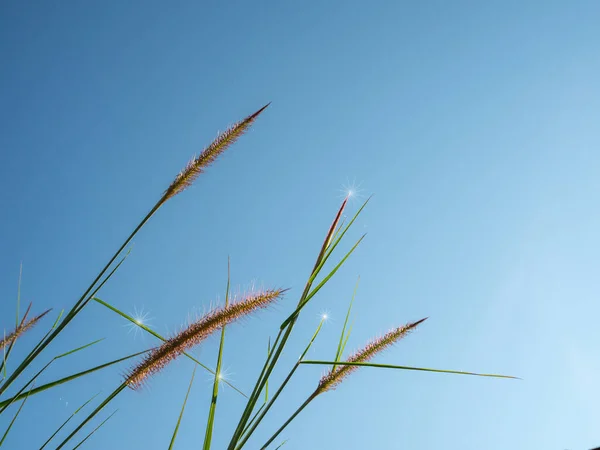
x=140, y=317
x=351, y=190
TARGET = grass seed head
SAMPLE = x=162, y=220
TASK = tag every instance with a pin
x=21, y=329
x=335, y=376
x=198, y=331
x=197, y=165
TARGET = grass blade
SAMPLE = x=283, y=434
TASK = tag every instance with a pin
x=343, y=337
x=20, y=394
x=94, y=430
x=285, y=331
x=70, y=352
x=12, y=422
x=251, y=422
x=100, y=407
x=5, y=404
x=58, y=328
x=60, y=381
x=267, y=382
x=260, y=417
x=217, y=378
x=337, y=240
x=422, y=369
x=67, y=421
x=182, y=410
x=287, y=422
x=320, y=285
x=58, y=318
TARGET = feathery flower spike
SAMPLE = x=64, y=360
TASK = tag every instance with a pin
x=196, y=332
x=335, y=376
x=197, y=165
x=22, y=328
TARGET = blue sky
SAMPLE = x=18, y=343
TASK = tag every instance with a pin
x=475, y=126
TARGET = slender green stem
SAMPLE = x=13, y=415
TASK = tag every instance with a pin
x=213, y=402
x=253, y=396
x=106, y=401
x=288, y=325
x=66, y=422
x=94, y=430
x=12, y=422
x=274, y=355
x=287, y=422
x=76, y=308
x=66, y=379
x=391, y=366
x=251, y=430
x=251, y=422
x=187, y=394
x=20, y=394
x=260, y=385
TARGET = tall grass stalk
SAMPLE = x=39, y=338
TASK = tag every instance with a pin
x=217, y=378
x=284, y=333
x=183, y=180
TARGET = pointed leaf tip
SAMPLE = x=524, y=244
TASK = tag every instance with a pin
x=257, y=113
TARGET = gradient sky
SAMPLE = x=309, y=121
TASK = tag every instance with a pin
x=475, y=124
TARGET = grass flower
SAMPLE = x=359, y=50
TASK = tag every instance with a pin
x=336, y=375
x=22, y=328
x=197, y=332
x=197, y=165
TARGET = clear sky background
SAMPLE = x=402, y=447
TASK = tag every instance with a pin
x=475, y=124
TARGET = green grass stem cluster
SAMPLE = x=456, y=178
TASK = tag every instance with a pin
x=18, y=390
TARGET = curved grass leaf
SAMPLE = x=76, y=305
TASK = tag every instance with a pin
x=326, y=250
x=5, y=404
x=60, y=381
x=213, y=402
x=56, y=329
x=421, y=369
x=67, y=421
x=343, y=336
x=182, y=410
x=99, y=408
x=12, y=421
x=320, y=285
x=94, y=430
x=258, y=418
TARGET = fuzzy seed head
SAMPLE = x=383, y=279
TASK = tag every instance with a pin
x=198, y=331
x=21, y=329
x=197, y=165
x=336, y=375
